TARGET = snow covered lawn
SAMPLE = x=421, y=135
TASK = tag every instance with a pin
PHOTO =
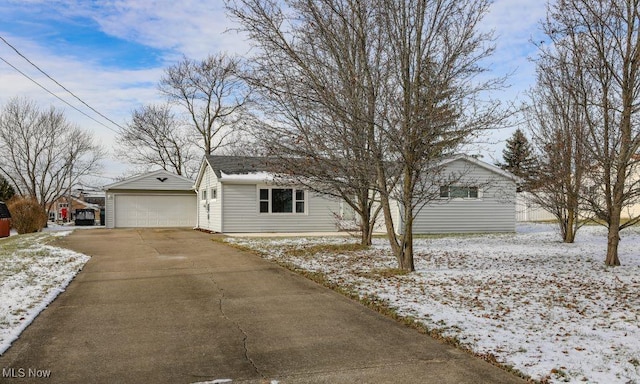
x=553, y=311
x=32, y=274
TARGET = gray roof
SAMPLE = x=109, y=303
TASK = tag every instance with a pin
x=238, y=165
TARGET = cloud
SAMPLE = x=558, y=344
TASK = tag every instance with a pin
x=191, y=27
x=91, y=47
x=115, y=92
x=516, y=26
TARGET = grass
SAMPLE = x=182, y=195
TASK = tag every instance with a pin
x=327, y=248
x=384, y=273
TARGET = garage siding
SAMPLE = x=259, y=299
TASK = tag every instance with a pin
x=240, y=213
x=155, y=199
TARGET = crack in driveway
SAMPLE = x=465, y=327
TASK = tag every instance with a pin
x=245, y=336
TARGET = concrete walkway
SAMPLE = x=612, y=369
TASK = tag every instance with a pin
x=172, y=306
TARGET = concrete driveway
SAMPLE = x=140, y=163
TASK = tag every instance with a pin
x=172, y=306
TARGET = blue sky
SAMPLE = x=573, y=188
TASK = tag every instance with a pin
x=112, y=53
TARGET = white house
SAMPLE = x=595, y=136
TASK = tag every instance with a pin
x=481, y=200
x=238, y=194
x=155, y=199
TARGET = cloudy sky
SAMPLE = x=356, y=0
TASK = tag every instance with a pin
x=111, y=53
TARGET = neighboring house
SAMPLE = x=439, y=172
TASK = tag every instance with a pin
x=527, y=210
x=64, y=208
x=155, y=199
x=240, y=194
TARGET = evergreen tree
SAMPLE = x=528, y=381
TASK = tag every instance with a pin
x=6, y=190
x=519, y=159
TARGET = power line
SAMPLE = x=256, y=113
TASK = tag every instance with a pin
x=60, y=85
x=56, y=96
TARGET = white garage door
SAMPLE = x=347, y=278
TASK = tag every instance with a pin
x=155, y=211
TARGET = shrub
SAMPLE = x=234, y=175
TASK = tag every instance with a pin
x=27, y=216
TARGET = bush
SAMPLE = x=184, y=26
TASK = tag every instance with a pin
x=27, y=216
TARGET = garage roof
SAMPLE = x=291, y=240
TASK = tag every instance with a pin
x=159, y=180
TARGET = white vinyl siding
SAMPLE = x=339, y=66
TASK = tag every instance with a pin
x=241, y=212
x=152, y=185
x=210, y=208
x=492, y=211
x=155, y=181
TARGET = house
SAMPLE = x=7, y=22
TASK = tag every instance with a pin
x=240, y=194
x=478, y=198
x=528, y=210
x=155, y=199
x=64, y=208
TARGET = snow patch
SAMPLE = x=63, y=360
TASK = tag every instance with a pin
x=32, y=275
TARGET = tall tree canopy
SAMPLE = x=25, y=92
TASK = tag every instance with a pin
x=373, y=96
x=155, y=137
x=44, y=155
x=600, y=40
x=557, y=122
x=212, y=95
x=519, y=158
x=6, y=190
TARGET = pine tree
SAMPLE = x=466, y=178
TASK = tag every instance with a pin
x=519, y=159
x=6, y=190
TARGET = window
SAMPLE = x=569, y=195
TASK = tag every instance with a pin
x=214, y=193
x=264, y=201
x=204, y=194
x=281, y=200
x=457, y=192
x=299, y=201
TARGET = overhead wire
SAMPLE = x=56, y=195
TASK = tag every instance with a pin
x=61, y=86
x=54, y=95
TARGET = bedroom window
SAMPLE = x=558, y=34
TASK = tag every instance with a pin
x=281, y=200
x=457, y=192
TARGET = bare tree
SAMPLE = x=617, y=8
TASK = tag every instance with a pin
x=44, y=154
x=317, y=78
x=371, y=96
x=558, y=124
x=214, y=97
x=604, y=38
x=156, y=137
x=435, y=97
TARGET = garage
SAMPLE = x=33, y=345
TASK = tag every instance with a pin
x=157, y=199
x=154, y=211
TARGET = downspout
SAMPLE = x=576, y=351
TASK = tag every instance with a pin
x=197, y=211
x=221, y=205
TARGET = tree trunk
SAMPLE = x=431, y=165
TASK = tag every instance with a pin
x=405, y=252
x=365, y=229
x=405, y=258
x=570, y=233
x=613, y=239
